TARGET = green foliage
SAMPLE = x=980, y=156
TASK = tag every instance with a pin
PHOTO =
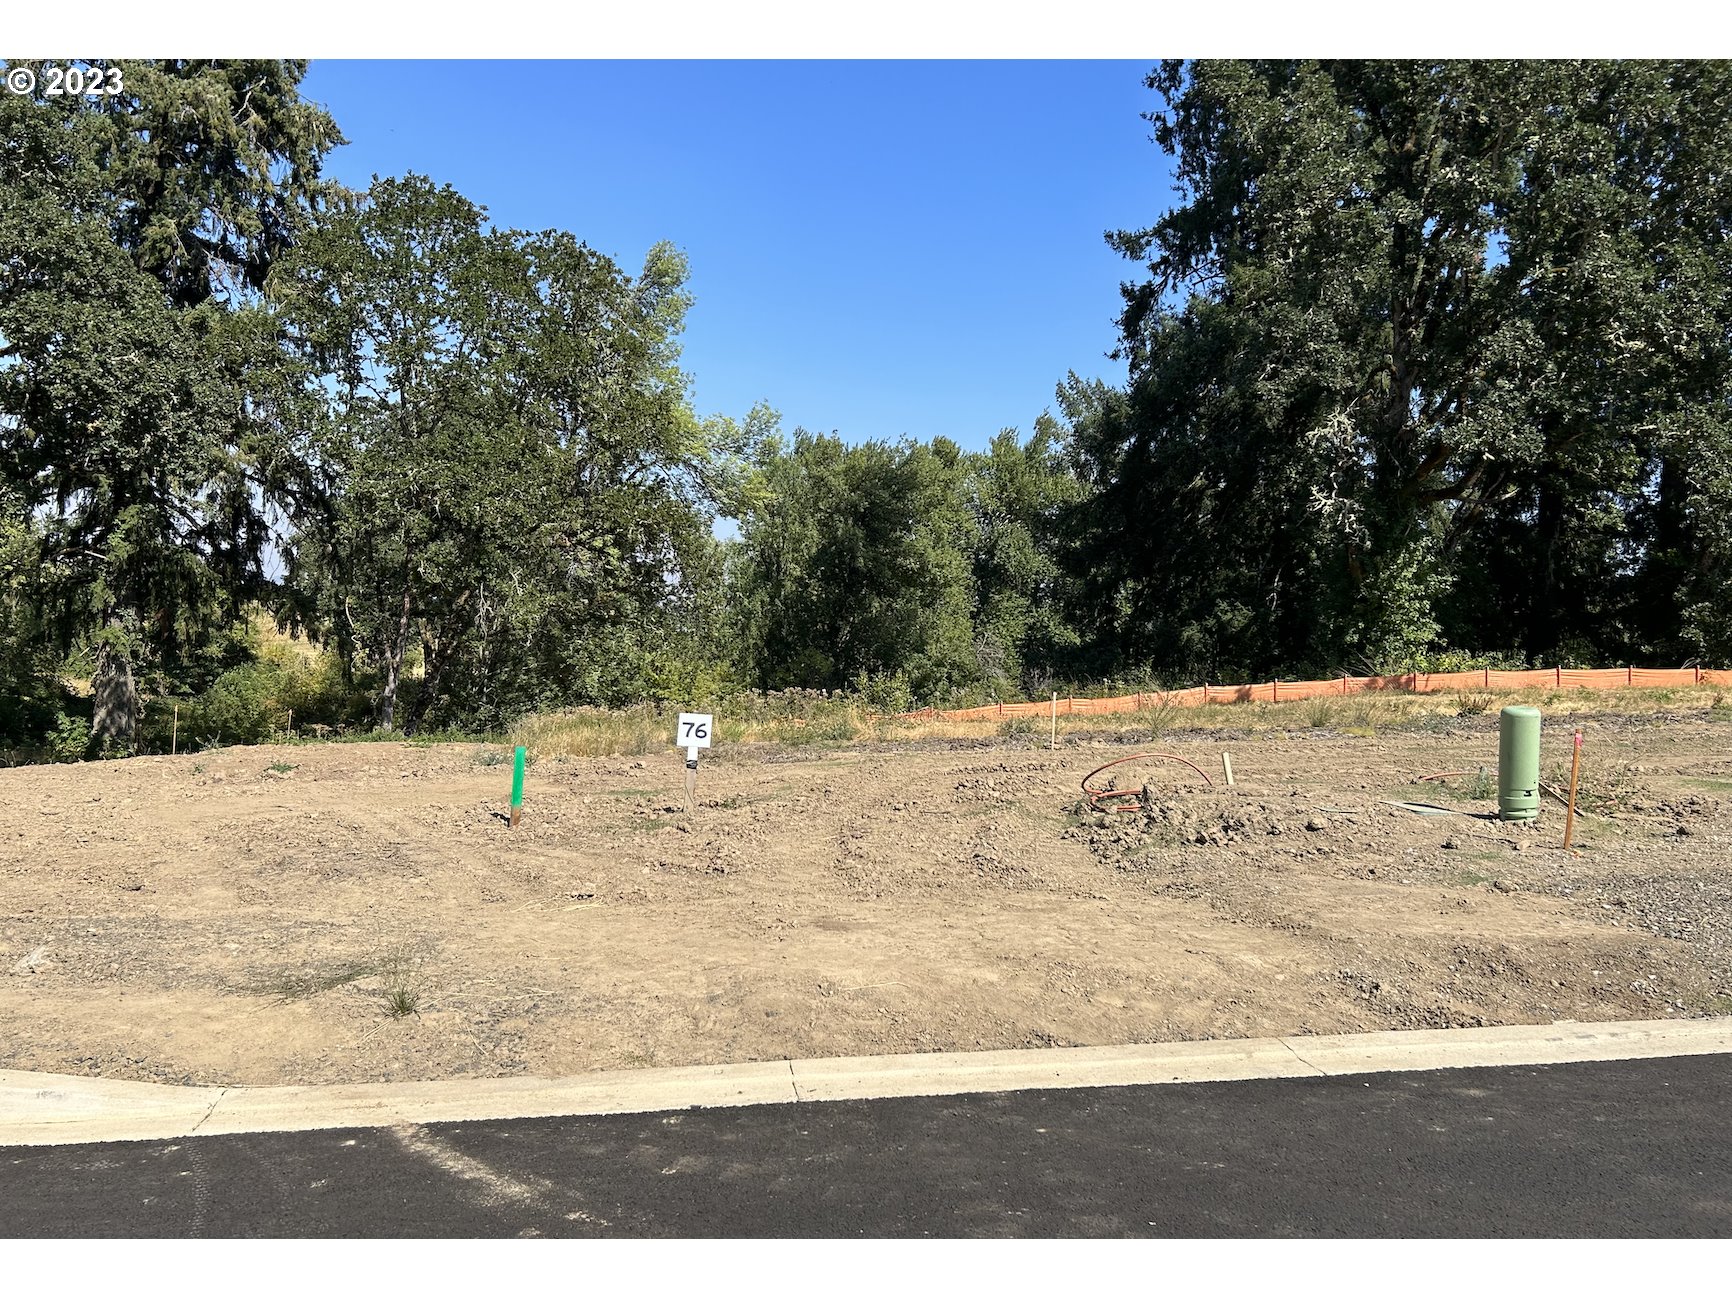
x=1430, y=353
x=138, y=441
x=1431, y=371
x=1021, y=499
x=512, y=483
x=68, y=739
x=253, y=702
x=906, y=572
x=855, y=566
x=1462, y=661
x=239, y=708
x=885, y=693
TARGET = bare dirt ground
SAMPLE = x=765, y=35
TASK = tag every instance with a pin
x=246, y=916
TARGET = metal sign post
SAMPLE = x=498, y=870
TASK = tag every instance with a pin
x=693, y=733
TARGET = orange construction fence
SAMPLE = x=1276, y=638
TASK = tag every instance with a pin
x=1279, y=691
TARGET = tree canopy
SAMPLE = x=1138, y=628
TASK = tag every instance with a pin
x=136, y=436
x=1427, y=363
x=1430, y=354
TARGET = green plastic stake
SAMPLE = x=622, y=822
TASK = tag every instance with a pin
x=517, y=786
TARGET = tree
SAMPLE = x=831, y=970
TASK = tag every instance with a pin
x=854, y=568
x=1021, y=496
x=136, y=390
x=1411, y=320
x=510, y=480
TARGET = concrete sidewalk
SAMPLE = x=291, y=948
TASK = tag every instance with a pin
x=55, y=1109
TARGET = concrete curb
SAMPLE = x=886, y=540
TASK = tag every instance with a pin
x=39, y=1109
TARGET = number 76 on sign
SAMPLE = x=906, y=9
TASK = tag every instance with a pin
x=693, y=733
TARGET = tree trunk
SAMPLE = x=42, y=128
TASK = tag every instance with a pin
x=394, y=669
x=388, y=696
x=114, y=718
x=418, y=706
x=1542, y=621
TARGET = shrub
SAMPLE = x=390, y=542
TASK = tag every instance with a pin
x=68, y=740
x=888, y=693
x=1441, y=661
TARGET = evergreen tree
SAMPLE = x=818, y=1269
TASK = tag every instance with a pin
x=1429, y=353
x=138, y=418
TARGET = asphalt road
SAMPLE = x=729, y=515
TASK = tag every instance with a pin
x=1629, y=1148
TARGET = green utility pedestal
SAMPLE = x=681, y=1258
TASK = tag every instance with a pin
x=1518, y=763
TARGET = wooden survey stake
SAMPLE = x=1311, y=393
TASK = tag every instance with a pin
x=693, y=733
x=1575, y=771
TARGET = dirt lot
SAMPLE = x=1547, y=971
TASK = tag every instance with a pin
x=248, y=916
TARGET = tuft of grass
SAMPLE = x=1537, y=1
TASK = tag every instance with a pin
x=1470, y=702
x=1158, y=715
x=401, y=1001
x=1475, y=787
x=1482, y=785
x=841, y=728
x=393, y=967
x=1364, y=716
x=1601, y=789
x=297, y=985
x=1321, y=712
x=490, y=757
x=282, y=768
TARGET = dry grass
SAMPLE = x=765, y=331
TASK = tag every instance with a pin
x=1361, y=714
x=594, y=732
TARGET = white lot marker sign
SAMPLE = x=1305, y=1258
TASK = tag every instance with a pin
x=693, y=733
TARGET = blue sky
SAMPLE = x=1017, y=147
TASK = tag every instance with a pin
x=878, y=248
